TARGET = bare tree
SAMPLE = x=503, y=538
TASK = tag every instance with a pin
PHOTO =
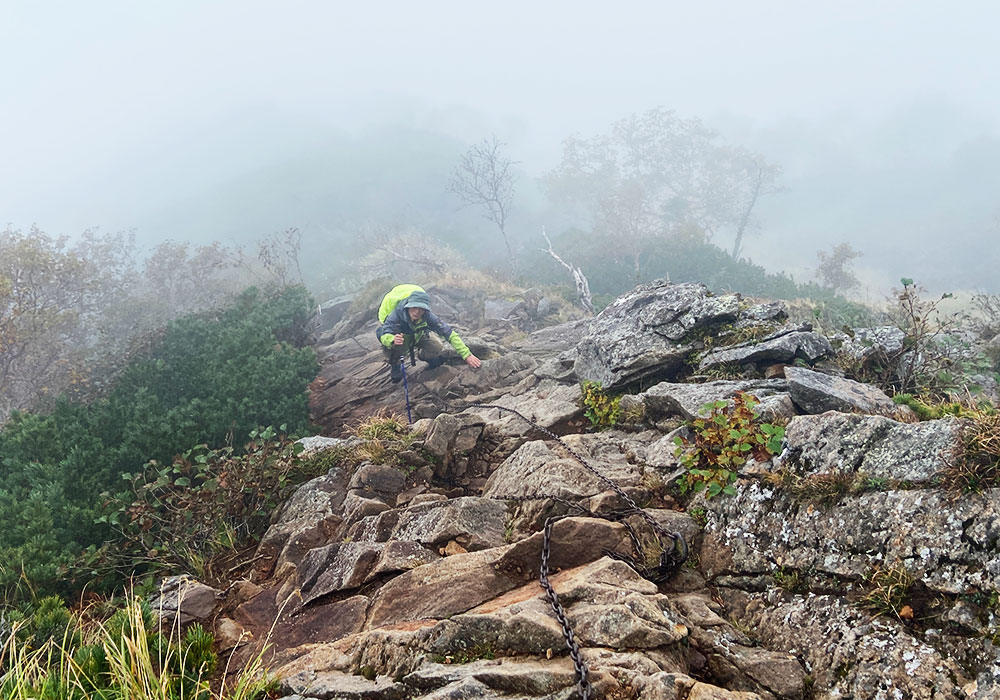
x=401, y=252
x=276, y=257
x=483, y=178
x=656, y=174
x=835, y=268
x=759, y=179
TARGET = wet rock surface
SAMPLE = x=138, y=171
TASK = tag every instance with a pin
x=649, y=332
x=814, y=392
x=787, y=347
x=419, y=578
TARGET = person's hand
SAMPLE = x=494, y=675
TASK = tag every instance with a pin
x=398, y=340
x=473, y=361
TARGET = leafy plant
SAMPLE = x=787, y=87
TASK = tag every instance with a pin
x=206, y=502
x=722, y=442
x=699, y=515
x=927, y=361
x=602, y=409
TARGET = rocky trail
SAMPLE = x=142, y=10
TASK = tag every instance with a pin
x=416, y=576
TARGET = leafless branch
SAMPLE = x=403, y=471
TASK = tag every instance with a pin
x=579, y=279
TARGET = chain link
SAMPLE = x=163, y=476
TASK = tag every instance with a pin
x=673, y=556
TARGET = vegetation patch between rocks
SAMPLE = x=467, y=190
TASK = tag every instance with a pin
x=723, y=440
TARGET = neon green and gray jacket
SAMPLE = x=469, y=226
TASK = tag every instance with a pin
x=395, y=319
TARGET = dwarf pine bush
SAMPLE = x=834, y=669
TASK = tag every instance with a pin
x=212, y=377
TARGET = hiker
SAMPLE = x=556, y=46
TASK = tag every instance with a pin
x=406, y=318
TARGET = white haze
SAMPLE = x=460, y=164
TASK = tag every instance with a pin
x=231, y=120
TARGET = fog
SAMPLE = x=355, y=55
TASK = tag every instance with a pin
x=232, y=120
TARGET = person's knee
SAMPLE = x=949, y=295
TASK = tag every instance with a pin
x=392, y=355
x=429, y=349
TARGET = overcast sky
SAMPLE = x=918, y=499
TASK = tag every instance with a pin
x=113, y=111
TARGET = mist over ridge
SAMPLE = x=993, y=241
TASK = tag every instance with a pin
x=229, y=123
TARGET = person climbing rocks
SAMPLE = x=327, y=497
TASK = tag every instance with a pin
x=406, y=321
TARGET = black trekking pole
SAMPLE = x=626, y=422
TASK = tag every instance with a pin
x=406, y=390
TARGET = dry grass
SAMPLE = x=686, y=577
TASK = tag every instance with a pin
x=889, y=589
x=977, y=466
x=125, y=657
x=385, y=435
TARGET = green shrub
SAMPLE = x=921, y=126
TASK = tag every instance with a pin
x=211, y=377
x=686, y=259
x=602, y=409
x=722, y=442
x=205, y=503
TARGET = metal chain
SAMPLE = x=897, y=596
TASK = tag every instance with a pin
x=579, y=665
x=669, y=561
x=670, y=557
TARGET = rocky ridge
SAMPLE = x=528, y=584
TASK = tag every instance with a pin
x=419, y=578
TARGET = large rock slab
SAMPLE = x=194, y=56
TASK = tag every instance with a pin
x=521, y=677
x=182, y=599
x=949, y=544
x=458, y=583
x=552, y=340
x=399, y=556
x=502, y=309
x=866, y=344
x=649, y=332
x=686, y=400
x=574, y=542
x=335, y=567
x=354, y=385
x=476, y=523
x=873, y=445
x=815, y=392
x=273, y=626
x=851, y=655
x=451, y=437
x=496, y=372
x=538, y=469
x=787, y=347
x=334, y=685
x=379, y=481
x=317, y=443
x=442, y=589
x=548, y=404
x=309, y=519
